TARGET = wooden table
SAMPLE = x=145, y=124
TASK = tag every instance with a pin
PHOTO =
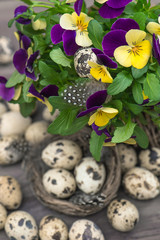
x=148, y=227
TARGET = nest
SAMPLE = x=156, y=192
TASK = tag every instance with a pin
x=79, y=204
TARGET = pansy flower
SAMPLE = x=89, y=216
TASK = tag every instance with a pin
x=20, y=10
x=112, y=8
x=103, y=114
x=24, y=58
x=72, y=30
x=8, y=93
x=77, y=5
x=99, y=70
x=145, y=98
x=128, y=47
x=154, y=27
x=44, y=94
x=156, y=48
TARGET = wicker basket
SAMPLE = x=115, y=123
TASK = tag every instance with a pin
x=80, y=204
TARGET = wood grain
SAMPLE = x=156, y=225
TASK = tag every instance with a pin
x=148, y=227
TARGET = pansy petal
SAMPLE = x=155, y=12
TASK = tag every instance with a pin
x=99, y=132
x=96, y=99
x=18, y=91
x=26, y=42
x=78, y=6
x=70, y=1
x=106, y=61
x=140, y=60
x=123, y=55
x=118, y=3
x=67, y=22
x=156, y=48
x=6, y=93
x=101, y=119
x=50, y=90
x=35, y=93
x=81, y=114
x=49, y=106
x=112, y=40
x=100, y=73
x=97, y=51
x=56, y=34
x=19, y=10
x=30, y=75
x=153, y=27
x=108, y=12
x=133, y=37
x=68, y=41
x=112, y=112
x=19, y=60
x=3, y=79
x=92, y=118
x=31, y=60
x=101, y=1
x=125, y=24
x=82, y=39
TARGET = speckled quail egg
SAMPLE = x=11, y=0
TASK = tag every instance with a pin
x=3, y=216
x=90, y=175
x=52, y=228
x=141, y=184
x=12, y=149
x=62, y=154
x=13, y=123
x=47, y=115
x=6, y=50
x=150, y=159
x=128, y=157
x=10, y=192
x=123, y=215
x=13, y=106
x=21, y=225
x=37, y=132
x=85, y=229
x=3, y=108
x=59, y=182
x=81, y=58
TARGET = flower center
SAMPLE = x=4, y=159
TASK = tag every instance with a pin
x=81, y=25
x=136, y=50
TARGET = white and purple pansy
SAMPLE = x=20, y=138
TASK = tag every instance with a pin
x=6, y=93
x=77, y=5
x=24, y=58
x=156, y=48
x=44, y=94
x=112, y=8
x=20, y=10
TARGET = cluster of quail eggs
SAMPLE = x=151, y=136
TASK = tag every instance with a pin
x=68, y=170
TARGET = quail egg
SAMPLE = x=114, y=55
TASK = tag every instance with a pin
x=81, y=58
x=52, y=228
x=62, y=154
x=128, y=157
x=3, y=216
x=90, y=175
x=85, y=229
x=123, y=215
x=3, y=108
x=47, y=115
x=12, y=149
x=150, y=159
x=21, y=225
x=59, y=182
x=10, y=192
x=141, y=183
x=13, y=123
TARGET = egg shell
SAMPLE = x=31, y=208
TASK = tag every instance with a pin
x=90, y=175
x=52, y=228
x=3, y=216
x=59, y=182
x=47, y=116
x=13, y=106
x=128, y=156
x=12, y=149
x=81, y=58
x=85, y=229
x=62, y=154
x=123, y=215
x=3, y=108
x=10, y=192
x=21, y=225
x=150, y=159
x=141, y=184
x=37, y=132
x=13, y=123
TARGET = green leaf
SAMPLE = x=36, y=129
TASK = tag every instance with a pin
x=96, y=144
x=25, y=89
x=59, y=57
x=137, y=73
x=48, y=73
x=141, y=137
x=137, y=93
x=95, y=33
x=10, y=23
x=120, y=83
x=39, y=43
x=140, y=18
x=29, y=2
x=58, y=102
x=152, y=87
x=27, y=108
x=15, y=78
x=116, y=104
x=122, y=134
x=136, y=109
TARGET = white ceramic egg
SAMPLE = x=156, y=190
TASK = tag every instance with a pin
x=3, y=216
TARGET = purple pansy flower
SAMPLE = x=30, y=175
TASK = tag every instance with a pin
x=19, y=10
x=156, y=48
x=112, y=8
x=116, y=37
x=6, y=93
x=77, y=5
x=23, y=60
